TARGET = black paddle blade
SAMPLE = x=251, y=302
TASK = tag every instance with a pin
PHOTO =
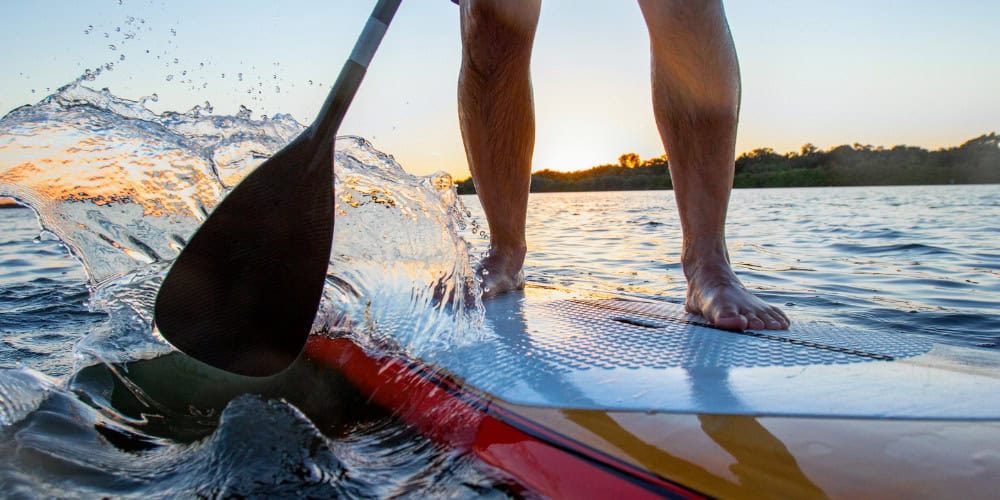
x=243, y=294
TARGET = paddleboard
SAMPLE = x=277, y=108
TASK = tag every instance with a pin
x=582, y=395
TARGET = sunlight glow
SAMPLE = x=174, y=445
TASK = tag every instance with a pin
x=918, y=76
x=568, y=153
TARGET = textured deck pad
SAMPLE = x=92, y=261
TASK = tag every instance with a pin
x=559, y=349
x=628, y=334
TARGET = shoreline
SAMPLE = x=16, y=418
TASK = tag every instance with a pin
x=462, y=192
x=976, y=161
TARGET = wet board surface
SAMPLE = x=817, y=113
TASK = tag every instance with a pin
x=577, y=395
x=562, y=349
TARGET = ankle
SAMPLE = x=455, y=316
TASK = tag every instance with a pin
x=506, y=258
x=706, y=256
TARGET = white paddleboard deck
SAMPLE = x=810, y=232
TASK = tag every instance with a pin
x=563, y=349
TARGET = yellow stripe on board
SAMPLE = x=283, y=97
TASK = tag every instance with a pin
x=753, y=457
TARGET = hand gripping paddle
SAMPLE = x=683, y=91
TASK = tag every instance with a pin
x=243, y=294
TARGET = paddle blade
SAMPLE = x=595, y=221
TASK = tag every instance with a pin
x=243, y=293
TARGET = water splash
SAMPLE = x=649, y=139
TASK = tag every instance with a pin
x=125, y=188
x=400, y=275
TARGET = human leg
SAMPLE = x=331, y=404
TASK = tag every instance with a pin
x=496, y=114
x=696, y=97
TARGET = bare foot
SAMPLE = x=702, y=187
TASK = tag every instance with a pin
x=717, y=294
x=502, y=272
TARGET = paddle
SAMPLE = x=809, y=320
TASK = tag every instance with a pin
x=243, y=293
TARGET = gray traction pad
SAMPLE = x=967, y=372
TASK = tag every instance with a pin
x=607, y=334
x=562, y=349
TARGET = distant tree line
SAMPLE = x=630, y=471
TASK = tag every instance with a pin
x=976, y=161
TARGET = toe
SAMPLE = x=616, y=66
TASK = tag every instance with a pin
x=783, y=319
x=771, y=321
x=754, y=323
x=737, y=322
x=776, y=319
x=773, y=324
x=727, y=317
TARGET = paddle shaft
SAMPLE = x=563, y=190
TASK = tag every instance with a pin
x=335, y=108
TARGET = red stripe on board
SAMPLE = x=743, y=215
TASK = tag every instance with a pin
x=541, y=459
x=544, y=434
x=390, y=383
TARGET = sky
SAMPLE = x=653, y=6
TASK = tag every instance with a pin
x=874, y=72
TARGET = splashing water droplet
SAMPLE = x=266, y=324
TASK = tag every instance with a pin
x=244, y=113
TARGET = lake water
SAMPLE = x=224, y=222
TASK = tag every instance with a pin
x=91, y=406
x=922, y=260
